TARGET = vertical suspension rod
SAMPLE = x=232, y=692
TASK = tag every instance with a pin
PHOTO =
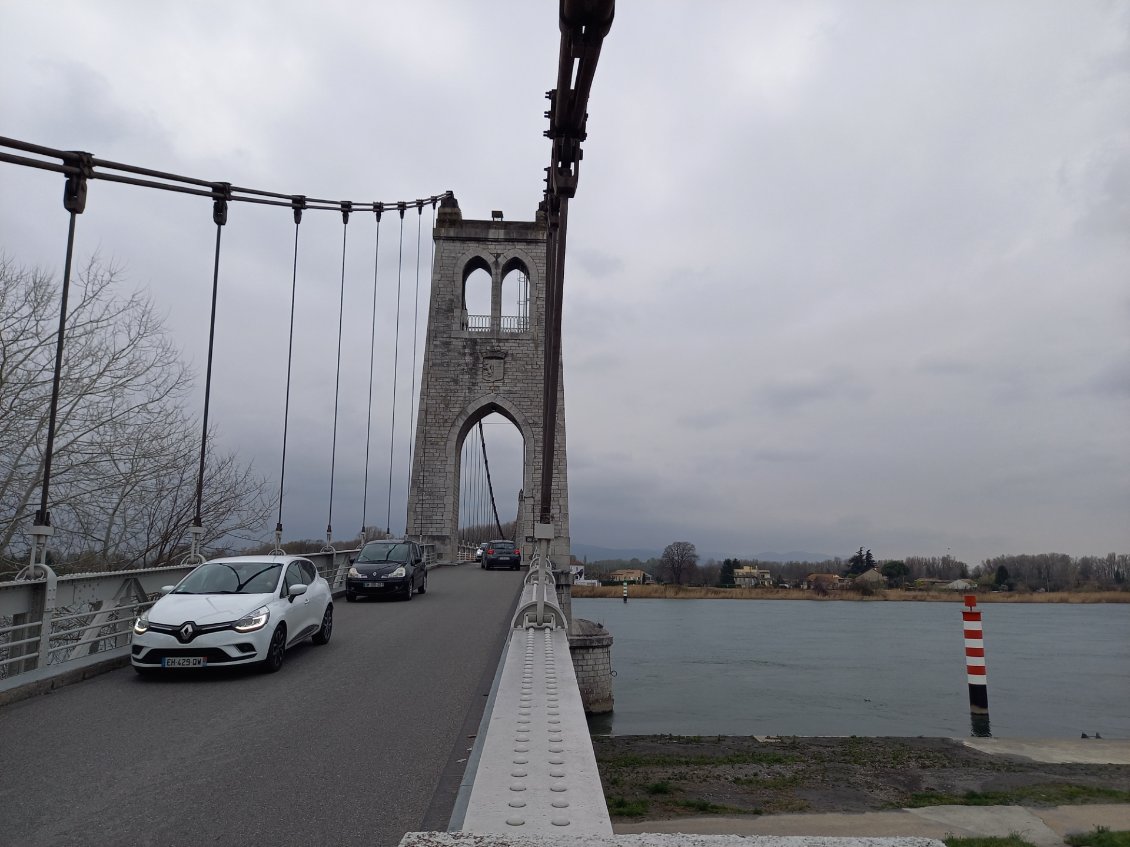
x=378, y=209
x=74, y=201
x=221, y=193
x=346, y=208
x=298, y=203
x=415, y=342
x=400, y=207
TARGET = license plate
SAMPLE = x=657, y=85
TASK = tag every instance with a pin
x=504, y=558
x=184, y=661
x=374, y=585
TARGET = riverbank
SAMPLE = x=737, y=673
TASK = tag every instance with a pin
x=665, y=778
x=687, y=592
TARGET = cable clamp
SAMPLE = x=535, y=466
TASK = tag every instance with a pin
x=221, y=194
x=298, y=203
x=74, y=191
x=378, y=210
x=401, y=206
x=346, y=208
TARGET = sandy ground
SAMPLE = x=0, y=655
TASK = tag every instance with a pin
x=665, y=777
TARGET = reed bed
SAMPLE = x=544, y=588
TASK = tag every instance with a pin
x=688, y=592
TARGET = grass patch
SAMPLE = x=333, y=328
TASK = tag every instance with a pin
x=627, y=808
x=663, y=760
x=1100, y=837
x=988, y=841
x=1056, y=794
x=769, y=783
x=707, y=808
x=661, y=787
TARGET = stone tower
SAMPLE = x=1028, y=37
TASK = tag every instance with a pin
x=475, y=368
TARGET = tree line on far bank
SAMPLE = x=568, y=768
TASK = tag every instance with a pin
x=679, y=565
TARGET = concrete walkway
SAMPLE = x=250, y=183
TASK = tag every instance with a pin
x=1044, y=827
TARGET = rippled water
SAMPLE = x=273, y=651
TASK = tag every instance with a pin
x=760, y=667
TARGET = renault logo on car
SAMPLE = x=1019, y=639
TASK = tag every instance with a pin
x=187, y=631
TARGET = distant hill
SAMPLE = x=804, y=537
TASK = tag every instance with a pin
x=600, y=554
x=792, y=556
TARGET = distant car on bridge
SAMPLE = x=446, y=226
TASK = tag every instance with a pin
x=479, y=551
x=502, y=554
x=242, y=610
x=389, y=567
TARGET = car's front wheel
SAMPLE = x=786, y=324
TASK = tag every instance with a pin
x=350, y=596
x=276, y=650
x=322, y=636
x=424, y=584
x=409, y=590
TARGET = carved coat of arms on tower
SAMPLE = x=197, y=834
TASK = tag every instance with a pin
x=494, y=366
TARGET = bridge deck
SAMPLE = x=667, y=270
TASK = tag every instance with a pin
x=345, y=745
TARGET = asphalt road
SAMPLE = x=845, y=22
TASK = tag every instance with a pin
x=356, y=742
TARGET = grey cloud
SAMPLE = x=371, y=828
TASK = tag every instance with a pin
x=789, y=395
x=599, y=264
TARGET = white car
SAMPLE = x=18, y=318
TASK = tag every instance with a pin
x=242, y=610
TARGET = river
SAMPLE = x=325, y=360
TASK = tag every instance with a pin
x=797, y=667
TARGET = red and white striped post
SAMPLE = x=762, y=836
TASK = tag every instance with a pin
x=975, y=657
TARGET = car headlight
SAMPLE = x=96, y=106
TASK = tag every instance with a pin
x=398, y=572
x=256, y=620
x=354, y=572
x=141, y=625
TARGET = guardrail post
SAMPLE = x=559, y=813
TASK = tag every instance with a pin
x=34, y=613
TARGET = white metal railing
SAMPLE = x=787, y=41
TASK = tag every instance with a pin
x=478, y=323
x=49, y=621
x=515, y=323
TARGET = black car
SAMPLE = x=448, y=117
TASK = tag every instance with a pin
x=390, y=567
x=502, y=554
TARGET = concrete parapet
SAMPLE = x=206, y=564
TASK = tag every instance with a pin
x=537, y=772
x=474, y=839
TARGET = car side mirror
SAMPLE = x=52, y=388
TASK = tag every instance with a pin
x=352, y=559
x=295, y=591
x=165, y=589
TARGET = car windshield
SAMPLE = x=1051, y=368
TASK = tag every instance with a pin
x=383, y=551
x=231, y=578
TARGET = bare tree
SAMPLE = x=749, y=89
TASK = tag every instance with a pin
x=124, y=465
x=679, y=561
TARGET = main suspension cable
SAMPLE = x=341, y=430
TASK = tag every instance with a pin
x=372, y=353
x=298, y=203
x=345, y=210
x=89, y=169
x=395, y=358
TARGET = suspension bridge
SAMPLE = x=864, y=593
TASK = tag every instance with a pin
x=455, y=720
x=375, y=742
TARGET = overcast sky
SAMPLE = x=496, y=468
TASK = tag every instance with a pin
x=839, y=273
